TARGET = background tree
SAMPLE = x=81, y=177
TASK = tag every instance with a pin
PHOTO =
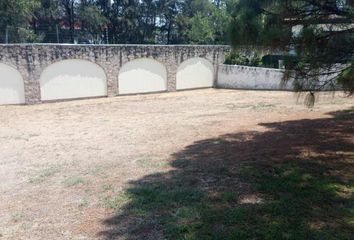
x=147, y=21
x=92, y=22
x=119, y=21
x=15, y=16
x=201, y=30
x=46, y=22
x=69, y=14
x=320, y=33
x=208, y=22
x=221, y=21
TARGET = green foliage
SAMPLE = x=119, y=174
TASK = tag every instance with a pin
x=323, y=45
x=235, y=58
x=14, y=15
x=93, y=22
x=130, y=21
x=346, y=78
x=28, y=36
x=201, y=31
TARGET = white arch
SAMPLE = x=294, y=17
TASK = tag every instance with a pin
x=195, y=73
x=74, y=78
x=142, y=76
x=11, y=85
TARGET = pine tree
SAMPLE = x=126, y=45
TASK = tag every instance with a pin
x=319, y=33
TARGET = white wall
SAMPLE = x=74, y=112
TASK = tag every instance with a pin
x=142, y=76
x=11, y=86
x=195, y=73
x=71, y=79
x=242, y=77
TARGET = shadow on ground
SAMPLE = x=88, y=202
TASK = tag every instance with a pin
x=294, y=181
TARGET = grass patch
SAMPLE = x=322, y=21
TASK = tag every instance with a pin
x=297, y=197
x=229, y=197
x=107, y=187
x=151, y=163
x=117, y=201
x=17, y=217
x=84, y=203
x=260, y=188
x=299, y=203
x=96, y=170
x=43, y=174
x=258, y=106
x=74, y=181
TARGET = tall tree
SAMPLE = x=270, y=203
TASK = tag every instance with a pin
x=221, y=20
x=208, y=21
x=124, y=21
x=69, y=8
x=201, y=31
x=147, y=21
x=171, y=20
x=92, y=22
x=14, y=19
x=320, y=33
x=45, y=21
x=121, y=21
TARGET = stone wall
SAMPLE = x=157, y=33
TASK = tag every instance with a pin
x=255, y=78
x=30, y=60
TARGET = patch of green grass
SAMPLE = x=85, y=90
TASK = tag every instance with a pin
x=84, y=203
x=151, y=163
x=258, y=106
x=299, y=203
x=117, y=201
x=298, y=196
x=107, y=187
x=96, y=170
x=263, y=106
x=185, y=214
x=180, y=163
x=74, y=181
x=184, y=221
x=17, y=217
x=141, y=202
x=43, y=174
x=155, y=196
x=229, y=197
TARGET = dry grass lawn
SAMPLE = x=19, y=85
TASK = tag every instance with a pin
x=205, y=164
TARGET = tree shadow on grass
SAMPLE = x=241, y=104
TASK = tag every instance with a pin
x=294, y=181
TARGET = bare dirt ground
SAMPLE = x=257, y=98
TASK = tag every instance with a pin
x=61, y=162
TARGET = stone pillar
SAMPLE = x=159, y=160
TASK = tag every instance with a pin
x=33, y=70
x=171, y=77
x=112, y=71
x=32, y=87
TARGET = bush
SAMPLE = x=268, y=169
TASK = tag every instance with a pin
x=237, y=59
x=267, y=61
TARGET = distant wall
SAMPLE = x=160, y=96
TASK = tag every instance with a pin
x=49, y=71
x=242, y=77
x=32, y=73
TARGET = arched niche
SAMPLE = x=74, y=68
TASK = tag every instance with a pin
x=195, y=73
x=11, y=86
x=142, y=76
x=74, y=78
